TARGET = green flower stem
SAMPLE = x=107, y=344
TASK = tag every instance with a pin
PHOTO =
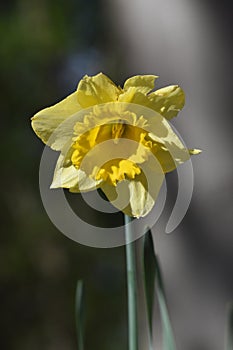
x=132, y=286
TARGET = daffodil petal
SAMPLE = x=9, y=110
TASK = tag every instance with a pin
x=85, y=183
x=46, y=122
x=136, y=197
x=132, y=95
x=160, y=130
x=67, y=176
x=118, y=195
x=144, y=189
x=166, y=160
x=141, y=201
x=143, y=83
x=131, y=197
x=96, y=90
x=167, y=101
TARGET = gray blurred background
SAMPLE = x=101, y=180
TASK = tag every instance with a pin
x=46, y=47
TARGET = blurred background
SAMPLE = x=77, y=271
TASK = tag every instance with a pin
x=46, y=48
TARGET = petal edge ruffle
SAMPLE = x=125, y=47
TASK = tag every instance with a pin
x=143, y=83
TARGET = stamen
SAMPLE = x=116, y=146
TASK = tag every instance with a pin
x=117, y=131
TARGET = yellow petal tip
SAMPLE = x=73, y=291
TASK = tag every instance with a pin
x=195, y=151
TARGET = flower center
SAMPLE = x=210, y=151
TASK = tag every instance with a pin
x=116, y=169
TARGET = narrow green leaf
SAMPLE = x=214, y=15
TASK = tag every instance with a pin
x=149, y=275
x=154, y=285
x=229, y=338
x=168, y=337
x=79, y=314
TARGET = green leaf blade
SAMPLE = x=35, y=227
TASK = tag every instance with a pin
x=154, y=286
x=79, y=314
x=149, y=276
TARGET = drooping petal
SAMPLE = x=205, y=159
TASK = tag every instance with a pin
x=141, y=200
x=167, y=101
x=118, y=195
x=46, y=122
x=85, y=183
x=136, y=197
x=143, y=83
x=144, y=190
x=96, y=90
x=67, y=176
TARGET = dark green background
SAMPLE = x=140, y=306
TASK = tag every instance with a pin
x=46, y=47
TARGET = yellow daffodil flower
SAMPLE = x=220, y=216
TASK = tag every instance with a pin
x=117, y=139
